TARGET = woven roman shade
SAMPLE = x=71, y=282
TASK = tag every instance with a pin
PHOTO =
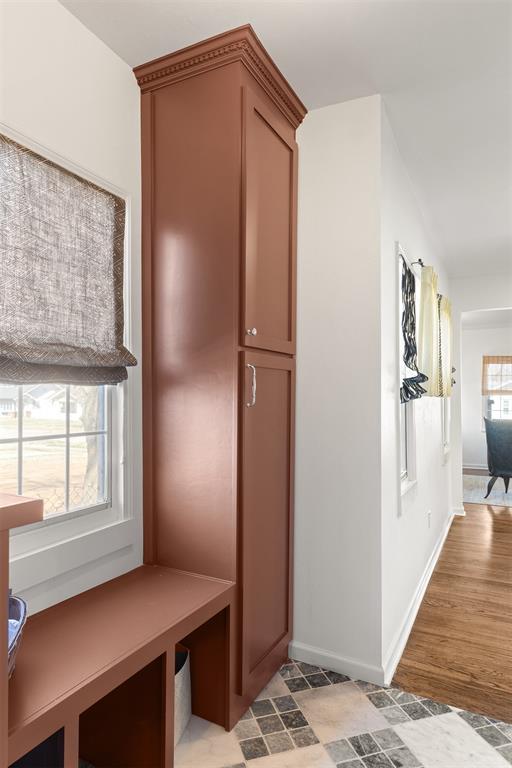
x=61, y=274
x=497, y=375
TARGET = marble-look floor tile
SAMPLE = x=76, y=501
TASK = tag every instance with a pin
x=368, y=687
x=294, y=719
x=493, y=736
x=238, y=765
x=295, y=684
x=270, y=724
x=285, y=703
x=416, y=710
x=289, y=670
x=262, y=707
x=318, y=680
x=247, y=729
x=253, y=748
x=446, y=741
x=207, y=745
x=340, y=751
x=506, y=752
x=307, y=669
x=387, y=739
x=402, y=697
x=435, y=707
x=476, y=721
x=395, y=715
x=402, y=757
x=364, y=744
x=338, y=711
x=381, y=699
x=308, y=757
x=380, y=760
x=276, y=687
x=336, y=677
x=303, y=737
x=279, y=742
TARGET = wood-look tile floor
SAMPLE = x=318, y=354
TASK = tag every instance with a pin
x=460, y=648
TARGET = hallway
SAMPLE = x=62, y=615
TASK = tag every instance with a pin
x=460, y=649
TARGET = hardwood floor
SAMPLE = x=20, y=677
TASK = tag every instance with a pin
x=460, y=649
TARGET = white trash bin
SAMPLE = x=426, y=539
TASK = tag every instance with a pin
x=182, y=692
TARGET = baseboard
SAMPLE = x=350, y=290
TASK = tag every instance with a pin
x=398, y=645
x=354, y=668
x=478, y=469
x=460, y=511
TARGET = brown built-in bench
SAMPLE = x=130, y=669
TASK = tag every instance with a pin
x=97, y=671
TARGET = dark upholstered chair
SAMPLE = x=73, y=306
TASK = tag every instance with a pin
x=499, y=450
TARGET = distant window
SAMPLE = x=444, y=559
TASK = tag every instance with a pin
x=497, y=386
x=55, y=444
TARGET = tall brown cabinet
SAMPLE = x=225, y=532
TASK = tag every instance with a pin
x=219, y=163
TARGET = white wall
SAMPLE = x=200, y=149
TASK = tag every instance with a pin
x=65, y=94
x=410, y=535
x=361, y=550
x=468, y=295
x=337, y=539
x=475, y=343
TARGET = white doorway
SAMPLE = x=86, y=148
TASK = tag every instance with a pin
x=486, y=393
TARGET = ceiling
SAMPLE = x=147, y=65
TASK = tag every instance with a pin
x=444, y=69
x=488, y=318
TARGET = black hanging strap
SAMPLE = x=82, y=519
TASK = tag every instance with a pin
x=411, y=388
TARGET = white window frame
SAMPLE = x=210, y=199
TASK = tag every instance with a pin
x=407, y=480
x=65, y=555
x=111, y=438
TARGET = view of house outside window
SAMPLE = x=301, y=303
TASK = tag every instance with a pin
x=55, y=445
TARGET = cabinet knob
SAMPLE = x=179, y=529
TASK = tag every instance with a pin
x=252, y=331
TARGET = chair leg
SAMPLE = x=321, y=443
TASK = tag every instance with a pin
x=489, y=487
x=507, y=480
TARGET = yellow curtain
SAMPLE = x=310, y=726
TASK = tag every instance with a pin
x=428, y=331
x=435, y=336
x=445, y=346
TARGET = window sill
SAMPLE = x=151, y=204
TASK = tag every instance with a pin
x=61, y=569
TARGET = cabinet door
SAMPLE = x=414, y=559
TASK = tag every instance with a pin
x=266, y=513
x=270, y=214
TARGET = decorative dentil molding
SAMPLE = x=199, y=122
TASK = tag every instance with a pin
x=240, y=49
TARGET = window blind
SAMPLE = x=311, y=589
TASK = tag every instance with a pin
x=61, y=274
x=497, y=375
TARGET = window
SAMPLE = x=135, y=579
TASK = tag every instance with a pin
x=61, y=338
x=497, y=407
x=497, y=386
x=67, y=434
x=55, y=444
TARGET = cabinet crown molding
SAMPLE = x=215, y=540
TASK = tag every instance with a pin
x=241, y=44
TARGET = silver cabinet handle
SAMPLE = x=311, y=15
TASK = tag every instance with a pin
x=253, y=398
x=252, y=331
